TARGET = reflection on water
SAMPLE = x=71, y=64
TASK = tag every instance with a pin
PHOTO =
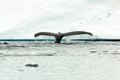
x=66, y=61
x=63, y=49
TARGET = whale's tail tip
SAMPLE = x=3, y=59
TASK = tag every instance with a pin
x=91, y=34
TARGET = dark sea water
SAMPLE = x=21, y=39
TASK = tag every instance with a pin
x=81, y=60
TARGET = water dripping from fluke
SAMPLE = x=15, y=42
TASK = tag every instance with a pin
x=58, y=36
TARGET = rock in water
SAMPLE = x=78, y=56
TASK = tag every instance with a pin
x=5, y=43
x=32, y=65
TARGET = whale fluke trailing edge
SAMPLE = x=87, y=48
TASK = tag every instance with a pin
x=59, y=36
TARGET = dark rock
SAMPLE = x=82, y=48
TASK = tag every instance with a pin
x=49, y=54
x=5, y=43
x=32, y=65
x=93, y=51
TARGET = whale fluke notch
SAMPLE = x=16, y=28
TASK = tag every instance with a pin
x=59, y=36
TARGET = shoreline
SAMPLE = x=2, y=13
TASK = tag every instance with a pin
x=62, y=40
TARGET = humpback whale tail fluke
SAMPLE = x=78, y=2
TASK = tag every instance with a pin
x=59, y=36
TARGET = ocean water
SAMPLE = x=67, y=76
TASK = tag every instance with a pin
x=85, y=60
